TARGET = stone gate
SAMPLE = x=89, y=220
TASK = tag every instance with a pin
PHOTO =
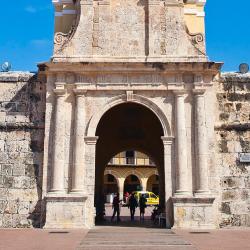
x=112, y=58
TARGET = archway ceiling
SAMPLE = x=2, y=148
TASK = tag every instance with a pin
x=129, y=126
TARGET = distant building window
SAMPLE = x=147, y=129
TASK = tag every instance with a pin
x=130, y=157
x=151, y=161
x=134, y=178
x=111, y=178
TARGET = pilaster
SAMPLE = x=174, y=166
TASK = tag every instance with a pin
x=183, y=185
x=78, y=154
x=57, y=178
x=201, y=147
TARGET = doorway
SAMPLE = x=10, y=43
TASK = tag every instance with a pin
x=128, y=127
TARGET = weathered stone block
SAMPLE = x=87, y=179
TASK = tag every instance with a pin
x=2, y=145
x=225, y=208
x=23, y=207
x=21, y=221
x=233, y=182
x=7, y=221
x=8, y=181
x=18, y=170
x=6, y=169
x=22, y=182
x=230, y=195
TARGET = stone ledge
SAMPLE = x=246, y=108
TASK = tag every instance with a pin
x=193, y=200
x=16, y=76
x=233, y=126
x=20, y=125
x=63, y=198
x=235, y=76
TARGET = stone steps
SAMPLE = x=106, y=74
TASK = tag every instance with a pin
x=133, y=238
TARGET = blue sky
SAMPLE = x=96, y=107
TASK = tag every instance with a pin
x=27, y=30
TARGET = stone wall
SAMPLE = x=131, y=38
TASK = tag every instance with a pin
x=233, y=138
x=22, y=109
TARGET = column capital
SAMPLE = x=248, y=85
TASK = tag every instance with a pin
x=167, y=140
x=91, y=140
x=199, y=91
x=59, y=92
x=80, y=92
x=179, y=92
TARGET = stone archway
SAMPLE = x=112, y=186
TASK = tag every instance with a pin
x=129, y=98
x=132, y=183
x=130, y=125
x=110, y=184
x=153, y=184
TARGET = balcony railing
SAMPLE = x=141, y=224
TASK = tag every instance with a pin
x=131, y=161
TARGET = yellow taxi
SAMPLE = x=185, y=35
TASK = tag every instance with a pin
x=152, y=199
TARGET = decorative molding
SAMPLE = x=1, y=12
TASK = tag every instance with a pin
x=193, y=11
x=79, y=92
x=198, y=41
x=62, y=39
x=59, y=92
x=129, y=95
x=167, y=140
x=91, y=140
x=199, y=92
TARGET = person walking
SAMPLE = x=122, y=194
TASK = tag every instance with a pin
x=142, y=205
x=116, y=208
x=132, y=204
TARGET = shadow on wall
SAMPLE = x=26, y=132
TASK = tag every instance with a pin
x=23, y=136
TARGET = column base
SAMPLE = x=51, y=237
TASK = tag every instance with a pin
x=68, y=211
x=194, y=212
x=57, y=191
x=183, y=193
x=76, y=191
x=202, y=193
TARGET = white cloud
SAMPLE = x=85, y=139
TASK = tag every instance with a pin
x=40, y=42
x=31, y=9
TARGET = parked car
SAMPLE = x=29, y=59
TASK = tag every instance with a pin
x=152, y=199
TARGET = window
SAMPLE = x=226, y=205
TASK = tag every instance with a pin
x=153, y=196
x=111, y=178
x=130, y=157
x=134, y=178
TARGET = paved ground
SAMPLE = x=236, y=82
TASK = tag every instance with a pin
x=39, y=239
x=135, y=238
x=222, y=239
x=123, y=236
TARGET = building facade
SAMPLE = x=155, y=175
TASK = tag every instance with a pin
x=130, y=171
x=125, y=75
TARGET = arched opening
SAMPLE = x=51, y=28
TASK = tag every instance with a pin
x=153, y=184
x=110, y=186
x=132, y=184
x=128, y=127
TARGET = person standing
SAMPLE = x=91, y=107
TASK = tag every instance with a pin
x=142, y=205
x=133, y=204
x=116, y=208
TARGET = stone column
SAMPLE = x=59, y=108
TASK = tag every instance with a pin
x=57, y=178
x=89, y=178
x=121, y=187
x=168, y=176
x=78, y=153
x=144, y=183
x=201, y=147
x=182, y=182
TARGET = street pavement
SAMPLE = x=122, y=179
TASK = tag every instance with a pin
x=125, y=235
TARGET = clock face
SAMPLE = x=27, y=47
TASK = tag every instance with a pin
x=244, y=68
